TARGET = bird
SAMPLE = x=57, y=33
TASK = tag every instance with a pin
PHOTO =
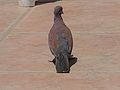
x=60, y=42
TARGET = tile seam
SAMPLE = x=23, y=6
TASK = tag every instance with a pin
x=11, y=27
x=72, y=33
x=37, y=72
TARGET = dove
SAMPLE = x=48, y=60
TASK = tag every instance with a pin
x=60, y=42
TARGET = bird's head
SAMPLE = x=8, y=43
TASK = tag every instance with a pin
x=58, y=10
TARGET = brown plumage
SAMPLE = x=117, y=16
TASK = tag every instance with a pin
x=60, y=42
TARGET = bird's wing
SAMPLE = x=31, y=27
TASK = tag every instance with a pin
x=60, y=40
x=69, y=39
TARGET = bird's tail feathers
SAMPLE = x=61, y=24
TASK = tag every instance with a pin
x=62, y=63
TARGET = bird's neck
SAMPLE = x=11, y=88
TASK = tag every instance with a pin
x=58, y=18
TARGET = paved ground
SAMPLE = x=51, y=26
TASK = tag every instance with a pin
x=24, y=52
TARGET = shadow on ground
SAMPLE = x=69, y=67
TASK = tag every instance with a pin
x=73, y=61
x=45, y=1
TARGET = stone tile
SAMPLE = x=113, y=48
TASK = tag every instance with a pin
x=97, y=52
x=80, y=16
x=45, y=81
x=25, y=52
x=9, y=12
x=29, y=52
x=39, y=20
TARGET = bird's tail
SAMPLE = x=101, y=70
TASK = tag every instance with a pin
x=62, y=63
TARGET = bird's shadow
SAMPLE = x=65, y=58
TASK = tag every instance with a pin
x=45, y=2
x=72, y=61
